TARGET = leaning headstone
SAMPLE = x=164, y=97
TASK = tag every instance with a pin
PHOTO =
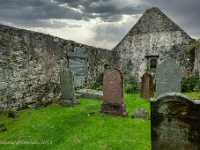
x=147, y=90
x=67, y=88
x=175, y=122
x=113, y=102
x=168, y=77
x=78, y=65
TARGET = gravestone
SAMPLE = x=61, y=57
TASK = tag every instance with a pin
x=113, y=102
x=147, y=90
x=140, y=113
x=67, y=88
x=78, y=65
x=175, y=122
x=168, y=77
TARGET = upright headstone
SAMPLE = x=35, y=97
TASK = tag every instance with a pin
x=113, y=102
x=78, y=65
x=67, y=88
x=147, y=90
x=175, y=122
x=168, y=77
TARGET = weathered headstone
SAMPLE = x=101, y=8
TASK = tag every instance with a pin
x=147, y=90
x=113, y=102
x=175, y=122
x=67, y=88
x=168, y=77
x=78, y=65
x=140, y=113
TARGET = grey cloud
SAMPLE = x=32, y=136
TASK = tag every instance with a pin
x=114, y=32
x=104, y=9
x=109, y=32
x=184, y=13
x=112, y=9
x=38, y=13
x=29, y=10
x=41, y=24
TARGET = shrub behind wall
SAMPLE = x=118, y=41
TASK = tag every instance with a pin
x=191, y=83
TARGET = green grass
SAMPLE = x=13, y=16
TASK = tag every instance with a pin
x=193, y=95
x=73, y=128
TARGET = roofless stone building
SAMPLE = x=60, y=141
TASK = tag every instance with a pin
x=153, y=38
x=30, y=62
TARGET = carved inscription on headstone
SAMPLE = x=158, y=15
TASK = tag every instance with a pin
x=113, y=92
x=113, y=86
x=168, y=77
x=175, y=122
x=66, y=85
x=78, y=65
x=147, y=90
x=67, y=88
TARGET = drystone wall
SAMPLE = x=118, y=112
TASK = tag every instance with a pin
x=30, y=64
x=197, y=59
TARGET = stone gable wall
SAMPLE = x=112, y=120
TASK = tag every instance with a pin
x=153, y=35
x=130, y=54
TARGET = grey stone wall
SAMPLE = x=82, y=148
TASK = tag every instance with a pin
x=197, y=59
x=30, y=63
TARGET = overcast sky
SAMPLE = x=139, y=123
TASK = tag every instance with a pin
x=100, y=23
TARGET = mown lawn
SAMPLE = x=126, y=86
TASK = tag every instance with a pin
x=74, y=128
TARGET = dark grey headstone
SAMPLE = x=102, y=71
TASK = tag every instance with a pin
x=168, y=77
x=78, y=64
x=66, y=85
x=175, y=122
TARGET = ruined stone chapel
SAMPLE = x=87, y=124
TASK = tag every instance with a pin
x=30, y=62
x=153, y=38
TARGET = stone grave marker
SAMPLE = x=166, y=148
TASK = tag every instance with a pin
x=147, y=90
x=140, y=113
x=175, y=122
x=67, y=88
x=78, y=65
x=113, y=93
x=168, y=77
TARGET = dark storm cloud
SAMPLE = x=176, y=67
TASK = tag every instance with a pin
x=106, y=10
x=183, y=12
x=35, y=11
x=38, y=13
